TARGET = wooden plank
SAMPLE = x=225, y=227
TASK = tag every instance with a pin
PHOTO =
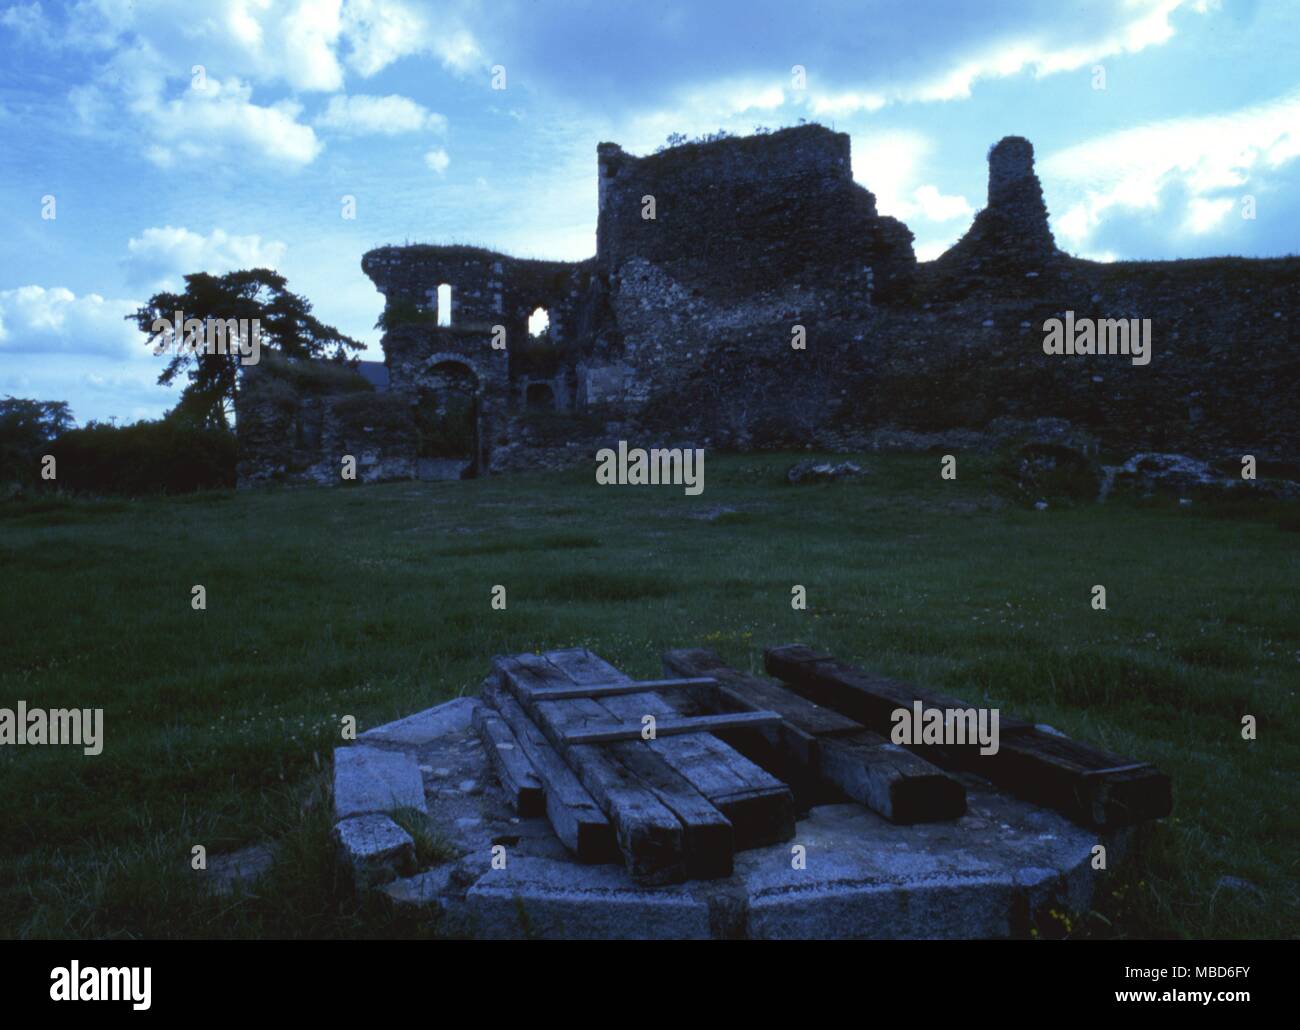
x=574, y=815
x=515, y=772
x=1091, y=786
x=649, y=834
x=897, y=784
x=707, y=838
x=759, y=806
x=866, y=697
x=599, y=690
x=802, y=721
x=609, y=733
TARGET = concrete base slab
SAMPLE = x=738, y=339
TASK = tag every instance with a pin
x=858, y=876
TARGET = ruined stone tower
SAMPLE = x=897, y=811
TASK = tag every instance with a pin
x=680, y=327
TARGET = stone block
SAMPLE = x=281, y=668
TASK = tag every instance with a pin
x=374, y=849
x=367, y=779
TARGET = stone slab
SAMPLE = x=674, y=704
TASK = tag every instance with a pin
x=433, y=888
x=542, y=898
x=426, y=726
x=367, y=779
x=864, y=877
x=374, y=849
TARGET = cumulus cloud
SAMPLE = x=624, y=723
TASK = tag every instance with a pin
x=213, y=122
x=34, y=319
x=241, y=46
x=1193, y=170
x=437, y=160
x=58, y=345
x=161, y=256
x=857, y=57
x=392, y=115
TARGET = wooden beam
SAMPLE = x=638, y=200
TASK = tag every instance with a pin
x=573, y=813
x=650, y=835
x=759, y=806
x=868, y=698
x=599, y=690
x=613, y=732
x=515, y=772
x=802, y=721
x=891, y=781
x=1091, y=786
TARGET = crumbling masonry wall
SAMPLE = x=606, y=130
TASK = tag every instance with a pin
x=679, y=330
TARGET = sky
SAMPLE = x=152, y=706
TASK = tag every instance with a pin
x=143, y=141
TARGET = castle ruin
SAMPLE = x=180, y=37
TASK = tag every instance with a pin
x=679, y=332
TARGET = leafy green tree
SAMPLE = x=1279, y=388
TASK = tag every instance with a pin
x=285, y=321
x=26, y=429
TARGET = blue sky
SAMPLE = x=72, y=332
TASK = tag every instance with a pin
x=157, y=170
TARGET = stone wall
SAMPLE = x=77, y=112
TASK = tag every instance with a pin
x=680, y=327
x=296, y=420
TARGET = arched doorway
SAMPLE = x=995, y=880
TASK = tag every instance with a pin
x=448, y=421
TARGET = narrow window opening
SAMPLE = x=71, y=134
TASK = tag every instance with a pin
x=444, y=304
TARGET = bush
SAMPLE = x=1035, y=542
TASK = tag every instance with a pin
x=165, y=456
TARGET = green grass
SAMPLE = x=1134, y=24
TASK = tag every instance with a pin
x=375, y=602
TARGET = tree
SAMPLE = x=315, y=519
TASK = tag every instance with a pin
x=284, y=319
x=26, y=429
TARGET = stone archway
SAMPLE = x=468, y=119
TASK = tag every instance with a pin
x=449, y=419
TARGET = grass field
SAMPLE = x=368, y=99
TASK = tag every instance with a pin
x=374, y=602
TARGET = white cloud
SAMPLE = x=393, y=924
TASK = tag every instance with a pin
x=888, y=164
x=210, y=123
x=160, y=256
x=941, y=207
x=379, y=32
x=56, y=345
x=1043, y=49
x=389, y=116
x=1204, y=215
x=304, y=45
x=34, y=319
x=437, y=160
x=1211, y=160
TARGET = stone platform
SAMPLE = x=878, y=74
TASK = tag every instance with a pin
x=983, y=875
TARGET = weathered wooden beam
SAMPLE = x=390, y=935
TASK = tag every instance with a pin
x=1091, y=786
x=650, y=835
x=802, y=721
x=868, y=698
x=515, y=772
x=599, y=690
x=901, y=786
x=573, y=813
x=708, y=839
x=759, y=806
x=610, y=733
